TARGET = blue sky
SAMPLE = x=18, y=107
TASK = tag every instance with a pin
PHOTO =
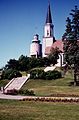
x=21, y=19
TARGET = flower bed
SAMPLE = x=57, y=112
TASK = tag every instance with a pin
x=52, y=99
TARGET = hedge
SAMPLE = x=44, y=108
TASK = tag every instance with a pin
x=40, y=74
x=21, y=92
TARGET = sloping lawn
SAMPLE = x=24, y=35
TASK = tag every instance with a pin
x=49, y=87
x=30, y=110
x=3, y=82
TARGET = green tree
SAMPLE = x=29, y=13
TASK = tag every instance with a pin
x=12, y=64
x=33, y=62
x=54, y=55
x=70, y=39
x=10, y=73
x=23, y=63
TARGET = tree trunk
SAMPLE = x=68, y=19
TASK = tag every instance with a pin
x=75, y=80
x=75, y=77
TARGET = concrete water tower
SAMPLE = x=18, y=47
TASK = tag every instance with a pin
x=36, y=47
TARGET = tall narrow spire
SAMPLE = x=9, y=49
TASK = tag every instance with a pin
x=49, y=18
x=48, y=38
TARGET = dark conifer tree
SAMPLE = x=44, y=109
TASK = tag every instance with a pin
x=70, y=39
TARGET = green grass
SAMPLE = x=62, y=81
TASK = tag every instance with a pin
x=23, y=73
x=23, y=110
x=42, y=68
x=49, y=87
x=3, y=82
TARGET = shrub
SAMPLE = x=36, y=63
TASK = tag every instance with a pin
x=37, y=74
x=26, y=92
x=53, y=75
x=10, y=73
x=22, y=92
x=40, y=74
x=14, y=74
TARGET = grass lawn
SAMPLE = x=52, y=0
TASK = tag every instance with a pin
x=23, y=110
x=30, y=110
x=3, y=82
x=49, y=87
x=23, y=73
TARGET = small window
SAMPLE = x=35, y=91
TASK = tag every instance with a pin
x=47, y=32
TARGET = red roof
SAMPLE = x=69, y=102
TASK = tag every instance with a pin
x=58, y=44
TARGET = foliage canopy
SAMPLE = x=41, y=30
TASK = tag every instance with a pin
x=71, y=41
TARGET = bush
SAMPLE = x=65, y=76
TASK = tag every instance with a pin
x=14, y=74
x=10, y=73
x=21, y=92
x=40, y=74
x=53, y=75
x=37, y=74
x=26, y=92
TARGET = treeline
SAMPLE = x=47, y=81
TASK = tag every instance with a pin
x=24, y=63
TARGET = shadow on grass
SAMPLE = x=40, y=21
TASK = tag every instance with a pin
x=73, y=84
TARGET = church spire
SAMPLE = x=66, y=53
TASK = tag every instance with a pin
x=48, y=37
x=48, y=17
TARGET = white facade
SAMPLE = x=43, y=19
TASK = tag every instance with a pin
x=47, y=42
x=60, y=61
x=48, y=30
x=35, y=47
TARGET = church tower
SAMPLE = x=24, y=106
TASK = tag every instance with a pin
x=48, y=37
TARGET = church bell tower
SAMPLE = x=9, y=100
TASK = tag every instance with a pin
x=48, y=37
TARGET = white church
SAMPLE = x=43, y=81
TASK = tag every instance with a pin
x=49, y=41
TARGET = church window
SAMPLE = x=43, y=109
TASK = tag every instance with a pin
x=47, y=32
